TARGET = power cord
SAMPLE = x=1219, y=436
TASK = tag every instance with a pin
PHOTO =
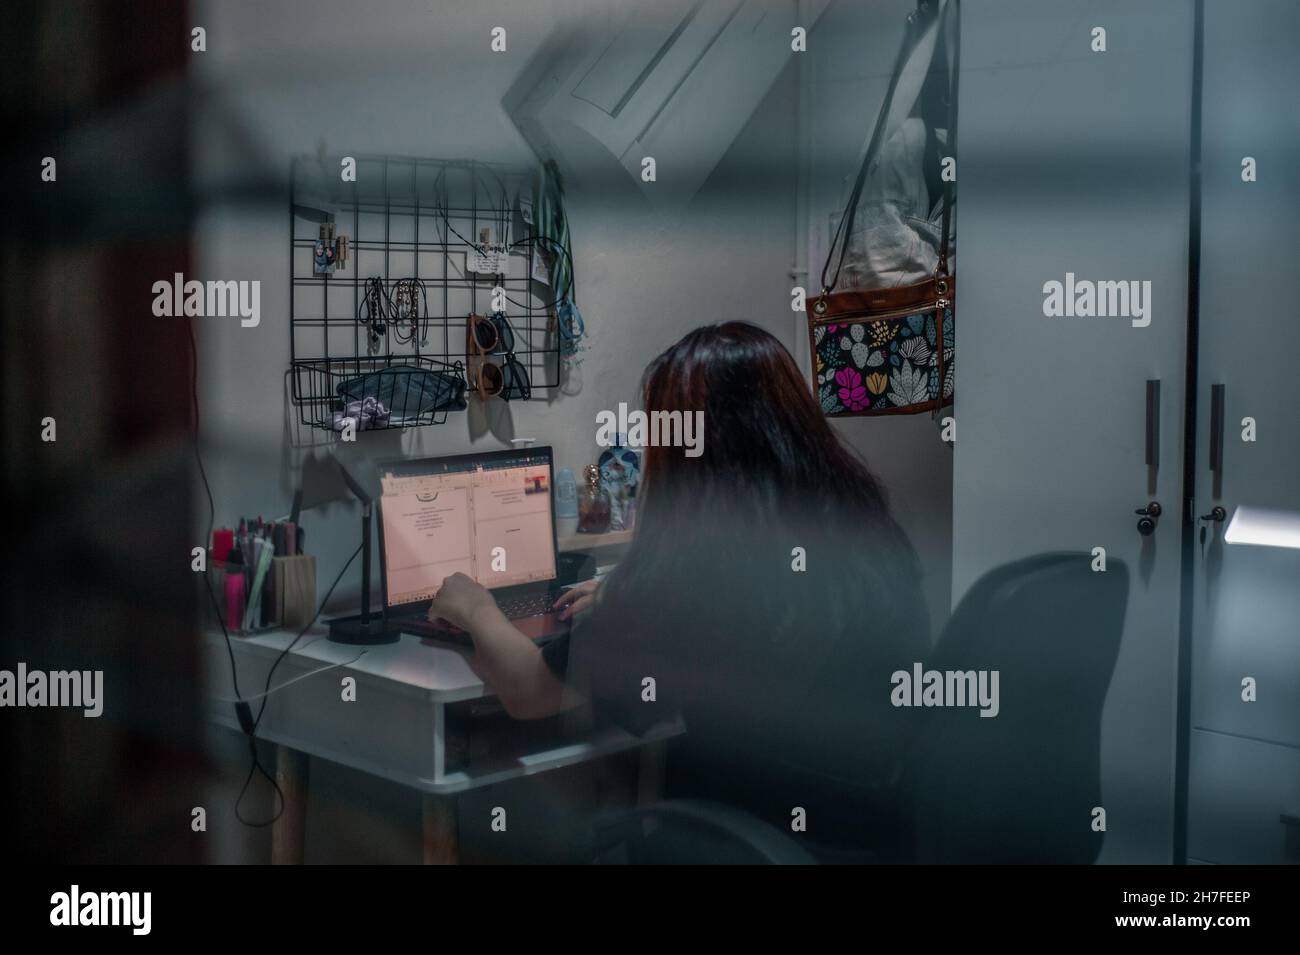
x=242, y=709
x=266, y=690
x=288, y=683
x=249, y=724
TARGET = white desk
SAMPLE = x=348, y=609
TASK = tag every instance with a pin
x=401, y=726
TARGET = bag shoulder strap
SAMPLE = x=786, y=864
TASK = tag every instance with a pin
x=954, y=66
x=913, y=35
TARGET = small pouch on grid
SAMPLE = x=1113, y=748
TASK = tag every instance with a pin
x=408, y=391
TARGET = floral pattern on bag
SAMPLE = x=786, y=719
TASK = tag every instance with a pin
x=868, y=367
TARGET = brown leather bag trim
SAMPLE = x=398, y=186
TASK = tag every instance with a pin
x=862, y=302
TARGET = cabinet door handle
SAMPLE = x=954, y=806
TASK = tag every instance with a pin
x=1147, y=518
x=1216, y=428
x=1153, y=422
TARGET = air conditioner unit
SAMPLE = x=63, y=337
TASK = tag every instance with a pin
x=673, y=80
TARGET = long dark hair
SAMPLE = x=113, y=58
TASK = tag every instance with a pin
x=712, y=571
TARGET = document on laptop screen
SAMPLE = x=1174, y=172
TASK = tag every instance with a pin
x=492, y=524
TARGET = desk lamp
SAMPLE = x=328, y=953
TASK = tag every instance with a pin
x=362, y=478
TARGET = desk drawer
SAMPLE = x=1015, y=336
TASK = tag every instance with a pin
x=480, y=734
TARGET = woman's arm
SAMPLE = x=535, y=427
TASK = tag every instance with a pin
x=509, y=662
x=512, y=665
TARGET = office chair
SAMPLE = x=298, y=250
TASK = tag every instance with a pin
x=693, y=832
x=1020, y=787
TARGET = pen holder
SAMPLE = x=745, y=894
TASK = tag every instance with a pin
x=231, y=586
x=295, y=589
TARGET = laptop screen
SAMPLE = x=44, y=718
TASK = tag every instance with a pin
x=484, y=515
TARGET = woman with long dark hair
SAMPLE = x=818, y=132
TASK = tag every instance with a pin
x=768, y=594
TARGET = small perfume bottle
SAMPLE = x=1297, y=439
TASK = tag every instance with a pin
x=593, y=504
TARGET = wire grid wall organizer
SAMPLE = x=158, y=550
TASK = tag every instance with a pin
x=415, y=228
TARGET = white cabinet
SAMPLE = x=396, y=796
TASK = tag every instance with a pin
x=1076, y=162
x=1245, y=740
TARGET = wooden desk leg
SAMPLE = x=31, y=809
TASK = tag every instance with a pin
x=650, y=777
x=440, y=834
x=287, y=832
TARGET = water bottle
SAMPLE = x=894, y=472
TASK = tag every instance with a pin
x=566, y=502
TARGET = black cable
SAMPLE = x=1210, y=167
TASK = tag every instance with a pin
x=454, y=231
x=270, y=674
x=527, y=240
x=212, y=510
x=441, y=210
x=242, y=708
x=568, y=289
x=250, y=724
x=254, y=768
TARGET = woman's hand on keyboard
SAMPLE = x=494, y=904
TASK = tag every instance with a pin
x=460, y=600
x=577, y=599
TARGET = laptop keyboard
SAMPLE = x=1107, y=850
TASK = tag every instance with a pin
x=526, y=605
x=516, y=608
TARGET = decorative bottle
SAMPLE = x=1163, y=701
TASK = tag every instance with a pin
x=593, y=504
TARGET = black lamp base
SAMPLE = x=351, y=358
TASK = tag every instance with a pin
x=371, y=633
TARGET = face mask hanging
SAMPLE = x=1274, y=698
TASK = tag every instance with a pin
x=884, y=342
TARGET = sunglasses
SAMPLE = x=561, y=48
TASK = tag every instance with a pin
x=495, y=336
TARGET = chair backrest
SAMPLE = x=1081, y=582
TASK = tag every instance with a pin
x=693, y=832
x=1020, y=787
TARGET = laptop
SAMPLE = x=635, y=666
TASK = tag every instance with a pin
x=488, y=515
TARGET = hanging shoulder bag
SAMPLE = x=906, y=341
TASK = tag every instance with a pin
x=884, y=343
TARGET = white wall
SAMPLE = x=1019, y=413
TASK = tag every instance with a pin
x=402, y=80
